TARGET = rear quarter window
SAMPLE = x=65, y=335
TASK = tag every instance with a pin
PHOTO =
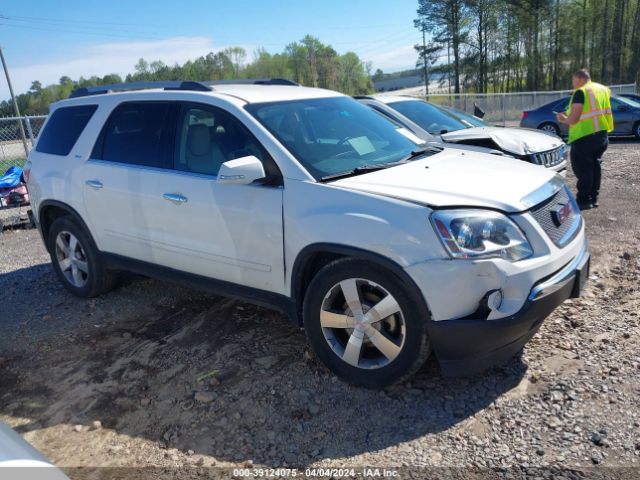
x=64, y=127
x=562, y=105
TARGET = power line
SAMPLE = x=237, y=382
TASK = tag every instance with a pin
x=82, y=21
x=68, y=20
x=393, y=38
x=82, y=32
x=38, y=23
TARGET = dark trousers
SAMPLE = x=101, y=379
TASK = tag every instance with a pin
x=586, y=157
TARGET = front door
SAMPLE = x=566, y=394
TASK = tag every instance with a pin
x=229, y=232
x=623, y=117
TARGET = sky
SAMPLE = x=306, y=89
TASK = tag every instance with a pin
x=43, y=40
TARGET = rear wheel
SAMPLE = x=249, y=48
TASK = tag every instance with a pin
x=636, y=130
x=76, y=259
x=363, y=325
x=550, y=127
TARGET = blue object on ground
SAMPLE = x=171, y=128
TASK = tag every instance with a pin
x=11, y=177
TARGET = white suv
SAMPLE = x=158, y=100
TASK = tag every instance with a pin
x=383, y=248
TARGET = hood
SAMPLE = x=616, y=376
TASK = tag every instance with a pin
x=517, y=141
x=462, y=179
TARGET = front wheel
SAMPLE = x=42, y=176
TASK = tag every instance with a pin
x=362, y=323
x=636, y=130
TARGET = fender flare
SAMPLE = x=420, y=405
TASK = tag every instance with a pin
x=303, y=257
x=63, y=206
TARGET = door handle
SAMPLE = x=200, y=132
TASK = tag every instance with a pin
x=175, y=198
x=95, y=184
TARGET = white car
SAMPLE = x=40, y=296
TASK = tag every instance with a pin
x=383, y=248
x=454, y=128
x=18, y=459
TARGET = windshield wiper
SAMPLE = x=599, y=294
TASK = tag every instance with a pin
x=419, y=152
x=355, y=171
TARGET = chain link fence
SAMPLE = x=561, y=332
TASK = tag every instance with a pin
x=12, y=148
x=502, y=108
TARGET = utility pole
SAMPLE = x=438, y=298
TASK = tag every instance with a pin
x=424, y=61
x=449, y=64
x=15, y=104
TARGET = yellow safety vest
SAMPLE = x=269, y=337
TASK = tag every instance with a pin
x=596, y=112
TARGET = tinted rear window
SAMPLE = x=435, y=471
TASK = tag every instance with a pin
x=64, y=127
x=136, y=133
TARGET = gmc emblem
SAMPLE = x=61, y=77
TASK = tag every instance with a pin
x=560, y=213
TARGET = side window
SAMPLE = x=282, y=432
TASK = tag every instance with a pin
x=562, y=105
x=615, y=105
x=136, y=133
x=63, y=129
x=209, y=136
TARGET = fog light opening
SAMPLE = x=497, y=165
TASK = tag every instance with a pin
x=492, y=301
x=495, y=300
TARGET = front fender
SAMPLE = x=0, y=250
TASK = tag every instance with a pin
x=392, y=232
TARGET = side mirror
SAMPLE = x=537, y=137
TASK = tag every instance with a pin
x=241, y=171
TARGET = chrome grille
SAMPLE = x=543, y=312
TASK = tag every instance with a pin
x=546, y=214
x=550, y=158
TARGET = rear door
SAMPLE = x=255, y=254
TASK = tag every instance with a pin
x=561, y=107
x=133, y=151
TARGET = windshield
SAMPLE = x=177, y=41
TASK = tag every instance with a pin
x=429, y=117
x=628, y=101
x=334, y=135
x=466, y=117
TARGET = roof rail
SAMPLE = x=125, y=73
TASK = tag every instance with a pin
x=122, y=87
x=254, y=81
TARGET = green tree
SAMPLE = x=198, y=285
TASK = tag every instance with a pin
x=308, y=61
x=378, y=75
x=36, y=87
x=447, y=21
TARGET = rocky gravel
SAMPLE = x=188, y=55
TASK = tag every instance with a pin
x=154, y=375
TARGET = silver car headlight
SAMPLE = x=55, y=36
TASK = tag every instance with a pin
x=565, y=150
x=480, y=234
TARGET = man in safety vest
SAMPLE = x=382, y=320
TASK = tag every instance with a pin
x=590, y=119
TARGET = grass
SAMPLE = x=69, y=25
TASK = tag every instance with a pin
x=5, y=163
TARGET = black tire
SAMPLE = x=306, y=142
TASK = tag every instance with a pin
x=97, y=279
x=550, y=127
x=636, y=130
x=414, y=348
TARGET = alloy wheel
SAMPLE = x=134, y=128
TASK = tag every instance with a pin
x=72, y=259
x=363, y=323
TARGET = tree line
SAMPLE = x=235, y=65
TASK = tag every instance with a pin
x=471, y=45
x=308, y=62
x=516, y=45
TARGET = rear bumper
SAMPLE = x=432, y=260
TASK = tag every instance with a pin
x=468, y=346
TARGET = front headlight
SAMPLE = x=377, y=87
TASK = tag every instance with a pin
x=565, y=150
x=480, y=234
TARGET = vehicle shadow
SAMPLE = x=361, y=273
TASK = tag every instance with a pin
x=215, y=377
x=624, y=140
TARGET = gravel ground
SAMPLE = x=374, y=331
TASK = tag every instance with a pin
x=160, y=376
